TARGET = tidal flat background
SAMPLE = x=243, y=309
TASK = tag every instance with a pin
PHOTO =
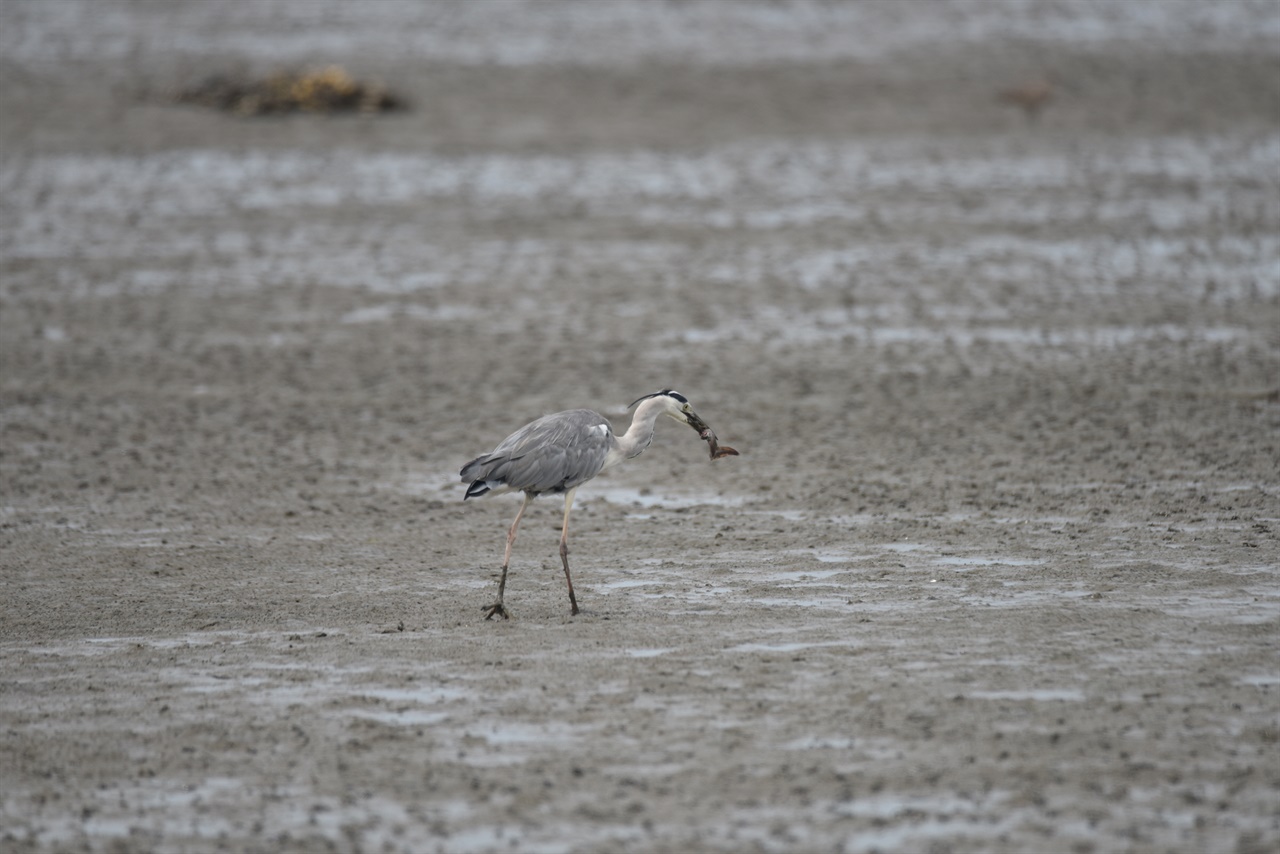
x=986, y=293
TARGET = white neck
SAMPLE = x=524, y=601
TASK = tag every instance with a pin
x=640, y=434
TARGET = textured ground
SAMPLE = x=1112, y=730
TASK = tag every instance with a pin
x=996, y=570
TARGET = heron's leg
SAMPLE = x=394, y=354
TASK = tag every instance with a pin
x=564, y=548
x=498, y=607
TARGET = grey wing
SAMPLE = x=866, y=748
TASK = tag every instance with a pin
x=553, y=454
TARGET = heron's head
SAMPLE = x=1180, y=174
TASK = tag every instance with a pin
x=674, y=405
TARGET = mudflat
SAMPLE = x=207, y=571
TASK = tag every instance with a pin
x=995, y=570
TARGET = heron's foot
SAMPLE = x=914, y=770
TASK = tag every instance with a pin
x=499, y=609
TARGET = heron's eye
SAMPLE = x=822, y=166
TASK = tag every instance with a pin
x=686, y=407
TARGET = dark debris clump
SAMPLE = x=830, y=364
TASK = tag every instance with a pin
x=328, y=90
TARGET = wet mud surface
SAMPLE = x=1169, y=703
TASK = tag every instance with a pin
x=995, y=570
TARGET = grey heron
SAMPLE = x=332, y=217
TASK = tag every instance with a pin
x=558, y=453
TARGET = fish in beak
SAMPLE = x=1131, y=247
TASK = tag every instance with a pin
x=709, y=436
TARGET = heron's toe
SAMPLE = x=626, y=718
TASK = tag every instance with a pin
x=496, y=608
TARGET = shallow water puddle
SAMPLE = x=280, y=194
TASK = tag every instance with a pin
x=789, y=515
x=430, y=695
x=550, y=733
x=906, y=547
x=794, y=646
x=802, y=574
x=826, y=602
x=1040, y=695
x=648, y=498
x=649, y=653
x=962, y=563
x=826, y=555
x=402, y=717
x=627, y=583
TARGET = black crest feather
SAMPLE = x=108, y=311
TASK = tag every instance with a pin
x=668, y=392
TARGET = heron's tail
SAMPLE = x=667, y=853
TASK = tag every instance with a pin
x=474, y=472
